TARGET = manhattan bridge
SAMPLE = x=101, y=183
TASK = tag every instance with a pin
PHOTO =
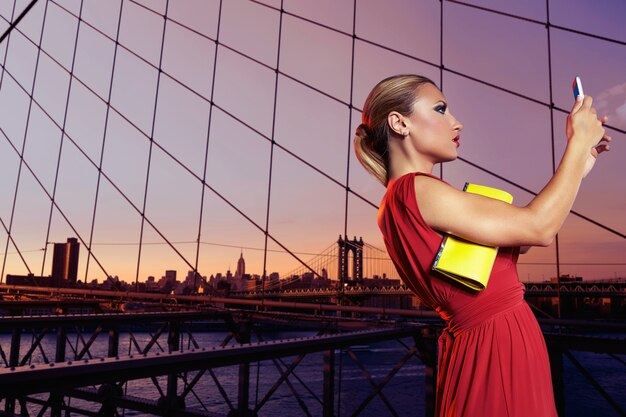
x=176, y=134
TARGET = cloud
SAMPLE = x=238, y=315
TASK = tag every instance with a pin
x=621, y=111
x=612, y=102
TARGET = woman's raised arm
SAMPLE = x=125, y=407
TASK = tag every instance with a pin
x=492, y=222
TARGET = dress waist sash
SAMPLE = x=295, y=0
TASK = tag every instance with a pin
x=469, y=316
x=484, y=308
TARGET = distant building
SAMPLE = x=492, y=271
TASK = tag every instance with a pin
x=194, y=280
x=248, y=283
x=167, y=283
x=241, y=267
x=566, y=278
x=215, y=280
x=111, y=283
x=229, y=276
x=30, y=280
x=170, y=275
x=151, y=284
x=65, y=262
x=274, y=281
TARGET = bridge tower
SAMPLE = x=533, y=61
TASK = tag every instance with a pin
x=347, y=247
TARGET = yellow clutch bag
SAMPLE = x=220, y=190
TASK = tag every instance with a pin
x=466, y=262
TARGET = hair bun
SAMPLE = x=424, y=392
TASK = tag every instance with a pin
x=363, y=132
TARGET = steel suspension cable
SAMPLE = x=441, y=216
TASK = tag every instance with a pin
x=154, y=114
x=4, y=61
x=104, y=133
x=19, y=18
x=63, y=125
x=554, y=163
x=352, y=191
x=154, y=143
x=206, y=149
x=272, y=145
x=21, y=153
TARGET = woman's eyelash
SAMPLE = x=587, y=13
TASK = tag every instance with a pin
x=442, y=108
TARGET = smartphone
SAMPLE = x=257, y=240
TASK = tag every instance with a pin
x=577, y=86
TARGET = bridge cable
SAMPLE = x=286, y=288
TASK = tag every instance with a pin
x=553, y=147
x=154, y=115
x=62, y=128
x=105, y=128
x=206, y=149
x=21, y=153
x=16, y=21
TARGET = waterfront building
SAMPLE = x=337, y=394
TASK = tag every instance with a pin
x=65, y=262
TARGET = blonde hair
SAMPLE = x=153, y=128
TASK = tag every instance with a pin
x=397, y=93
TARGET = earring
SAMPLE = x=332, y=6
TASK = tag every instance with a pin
x=405, y=133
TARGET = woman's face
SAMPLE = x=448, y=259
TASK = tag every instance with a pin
x=433, y=130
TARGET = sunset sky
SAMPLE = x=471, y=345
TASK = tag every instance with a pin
x=498, y=64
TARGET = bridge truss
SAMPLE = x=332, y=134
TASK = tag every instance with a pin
x=162, y=363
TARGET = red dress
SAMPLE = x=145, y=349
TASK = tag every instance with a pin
x=493, y=360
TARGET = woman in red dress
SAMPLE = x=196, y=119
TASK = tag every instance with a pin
x=493, y=360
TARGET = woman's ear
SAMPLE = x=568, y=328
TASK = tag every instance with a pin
x=397, y=124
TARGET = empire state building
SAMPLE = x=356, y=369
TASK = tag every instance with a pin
x=241, y=267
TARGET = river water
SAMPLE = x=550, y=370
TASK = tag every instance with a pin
x=404, y=392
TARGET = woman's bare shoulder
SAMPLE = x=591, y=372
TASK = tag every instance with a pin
x=429, y=187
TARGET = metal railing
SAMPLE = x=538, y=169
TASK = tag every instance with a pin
x=172, y=360
x=80, y=363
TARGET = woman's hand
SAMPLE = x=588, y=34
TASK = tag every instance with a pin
x=597, y=150
x=585, y=128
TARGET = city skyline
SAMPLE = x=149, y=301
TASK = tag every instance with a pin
x=239, y=271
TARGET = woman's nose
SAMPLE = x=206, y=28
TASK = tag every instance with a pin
x=458, y=126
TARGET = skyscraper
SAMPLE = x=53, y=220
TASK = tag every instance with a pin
x=65, y=261
x=241, y=267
